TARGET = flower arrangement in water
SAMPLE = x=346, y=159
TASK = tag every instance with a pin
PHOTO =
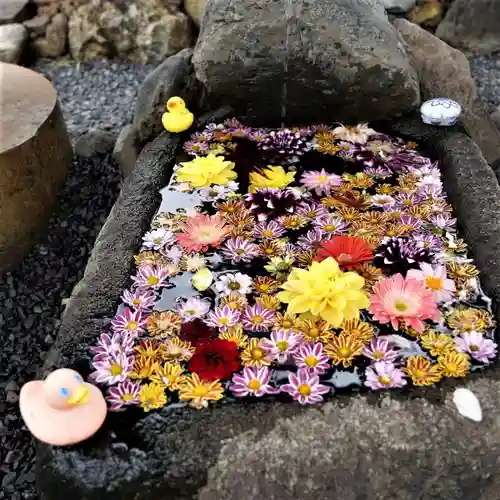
x=296, y=262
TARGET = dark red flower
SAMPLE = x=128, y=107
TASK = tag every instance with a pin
x=197, y=332
x=346, y=250
x=216, y=360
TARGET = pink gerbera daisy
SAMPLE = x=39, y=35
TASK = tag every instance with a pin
x=398, y=299
x=202, y=231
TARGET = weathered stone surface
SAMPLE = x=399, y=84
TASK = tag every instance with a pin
x=54, y=43
x=95, y=142
x=12, y=41
x=398, y=5
x=37, y=25
x=35, y=151
x=195, y=9
x=126, y=151
x=445, y=72
x=384, y=447
x=144, y=31
x=313, y=60
x=495, y=116
x=472, y=25
x=14, y=11
x=175, y=76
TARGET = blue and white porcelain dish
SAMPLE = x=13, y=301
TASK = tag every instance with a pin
x=440, y=111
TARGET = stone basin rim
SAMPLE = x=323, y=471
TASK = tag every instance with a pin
x=431, y=137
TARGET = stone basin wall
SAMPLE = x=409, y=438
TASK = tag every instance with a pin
x=353, y=447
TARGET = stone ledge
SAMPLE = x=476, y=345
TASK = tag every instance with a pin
x=386, y=447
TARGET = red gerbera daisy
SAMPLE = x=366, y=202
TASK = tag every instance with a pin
x=348, y=251
x=217, y=360
x=197, y=332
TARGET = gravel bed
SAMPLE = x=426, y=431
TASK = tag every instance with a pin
x=486, y=72
x=31, y=296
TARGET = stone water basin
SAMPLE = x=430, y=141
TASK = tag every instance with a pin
x=353, y=446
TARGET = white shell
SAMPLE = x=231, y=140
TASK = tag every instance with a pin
x=440, y=111
x=467, y=404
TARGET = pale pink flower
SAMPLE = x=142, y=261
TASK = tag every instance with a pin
x=253, y=381
x=111, y=369
x=305, y=387
x=435, y=280
x=281, y=345
x=311, y=357
x=320, y=181
x=358, y=134
x=396, y=299
x=129, y=322
x=384, y=375
x=126, y=393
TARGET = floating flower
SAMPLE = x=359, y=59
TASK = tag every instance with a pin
x=202, y=231
x=342, y=349
x=203, y=171
x=272, y=203
x=421, y=371
x=311, y=357
x=435, y=280
x=348, y=251
x=305, y=387
x=111, y=369
x=462, y=272
x=129, y=322
x=268, y=302
x=281, y=345
x=170, y=375
x=193, y=262
x=478, y=347
x=437, y=343
x=454, y=364
x=152, y=397
x=234, y=283
x=380, y=350
x=177, y=350
x=271, y=177
x=235, y=334
x=148, y=348
x=218, y=192
x=239, y=250
x=151, y=278
x=215, y=360
x=265, y=284
x=149, y=259
x=397, y=299
x=358, y=134
x=234, y=300
x=196, y=332
x=287, y=145
x=269, y=230
x=222, y=318
x=158, y=239
x=255, y=354
x=315, y=330
x=330, y=224
x=163, y=324
x=253, y=381
x=202, y=279
x=126, y=393
x=191, y=308
x=400, y=255
x=112, y=345
x=286, y=322
x=279, y=265
x=140, y=300
x=199, y=392
x=383, y=375
x=320, y=182
x=256, y=318
x=470, y=320
x=325, y=291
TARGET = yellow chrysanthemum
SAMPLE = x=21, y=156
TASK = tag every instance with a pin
x=199, y=392
x=342, y=349
x=454, y=364
x=235, y=334
x=152, y=397
x=422, y=371
x=163, y=324
x=169, y=375
x=325, y=291
x=265, y=284
x=357, y=329
x=143, y=368
x=286, y=322
x=470, y=319
x=315, y=330
x=204, y=171
x=271, y=177
x=268, y=301
x=254, y=354
x=437, y=344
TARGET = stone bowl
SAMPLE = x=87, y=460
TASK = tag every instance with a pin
x=353, y=447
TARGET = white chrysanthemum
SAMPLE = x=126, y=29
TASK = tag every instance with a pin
x=158, y=239
x=194, y=262
x=192, y=308
x=234, y=283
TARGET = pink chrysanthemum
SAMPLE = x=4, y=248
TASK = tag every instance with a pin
x=384, y=375
x=281, y=345
x=201, y=232
x=396, y=299
x=256, y=318
x=311, y=357
x=151, y=277
x=239, y=249
x=321, y=182
x=269, y=230
x=305, y=387
x=253, y=381
x=129, y=322
x=111, y=369
x=141, y=300
x=126, y=393
x=112, y=345
x=223, y=318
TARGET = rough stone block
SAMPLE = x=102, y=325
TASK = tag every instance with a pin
x=12, y=40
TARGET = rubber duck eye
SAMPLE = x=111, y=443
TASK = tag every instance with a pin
x=64, y=391
x=78, y=379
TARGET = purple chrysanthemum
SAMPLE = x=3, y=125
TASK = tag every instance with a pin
x=404, y=161
x=428, y=240
x=410, y=222
x=113, y=345
x=382, y=375
x=126, y=393
x=330, y=224
x=281, y=345
x=477, y=346
x=310, y=356
x=192, y=308
x=129, y=322
x=111, y=370
x=305, y=387
x=253, y=381
x=405, y=200
x=141, y=300
x=285, y=144
x=196, y=147
x=311, y=209
x=398, y=255
x=151, y=277
x=311, y=240
x=443, y=221
x=239, y=249
x=272, y=203
x=223, y=318
x=378, y=172
x=380, y=350
x=269, y=230
x=320, y=181
x=256, y=318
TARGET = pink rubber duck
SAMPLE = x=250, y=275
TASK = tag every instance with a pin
x=62, y=409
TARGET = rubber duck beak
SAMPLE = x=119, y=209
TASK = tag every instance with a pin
x=79, y=397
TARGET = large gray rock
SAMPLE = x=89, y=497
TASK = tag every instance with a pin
x=54, y=41
x=445, y=72
x=14, y=11
x=305, y=61
x=126, y=152
x=472, y=25
x=12, y=41
x=175, y=76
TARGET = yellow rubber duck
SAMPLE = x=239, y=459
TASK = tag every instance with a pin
x=177, y=118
